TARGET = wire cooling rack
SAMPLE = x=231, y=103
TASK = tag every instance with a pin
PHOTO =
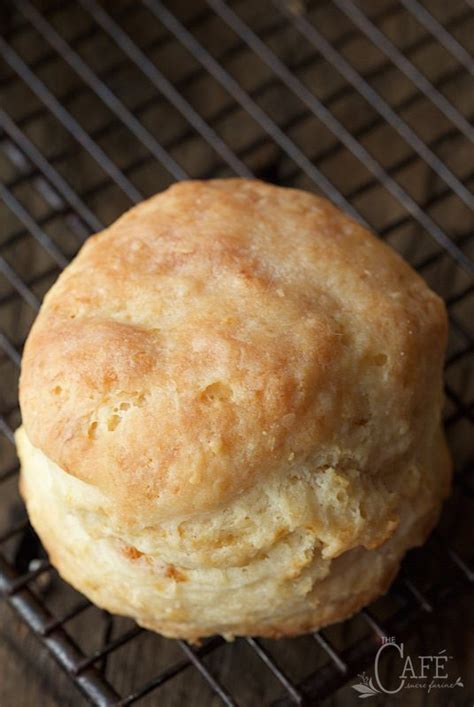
x=103, y=104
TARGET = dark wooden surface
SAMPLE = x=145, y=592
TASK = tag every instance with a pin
x=28, y=675
x=30, y=678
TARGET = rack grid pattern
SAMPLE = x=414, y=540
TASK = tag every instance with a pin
x=103, y=104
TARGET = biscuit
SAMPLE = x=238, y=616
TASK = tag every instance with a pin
x=231, y=405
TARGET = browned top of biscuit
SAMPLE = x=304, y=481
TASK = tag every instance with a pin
x=222, y=331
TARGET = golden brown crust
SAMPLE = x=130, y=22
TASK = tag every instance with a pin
x=221, y=333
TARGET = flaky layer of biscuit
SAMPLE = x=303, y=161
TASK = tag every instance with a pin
x=283, y=558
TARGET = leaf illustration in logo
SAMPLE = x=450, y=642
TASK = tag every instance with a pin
x=365, y=690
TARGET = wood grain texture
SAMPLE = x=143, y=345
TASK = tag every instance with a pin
x=30, y=677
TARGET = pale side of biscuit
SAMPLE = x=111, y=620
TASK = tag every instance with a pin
x=262, y=565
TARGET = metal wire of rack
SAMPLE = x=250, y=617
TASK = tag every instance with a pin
x=104, y=104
